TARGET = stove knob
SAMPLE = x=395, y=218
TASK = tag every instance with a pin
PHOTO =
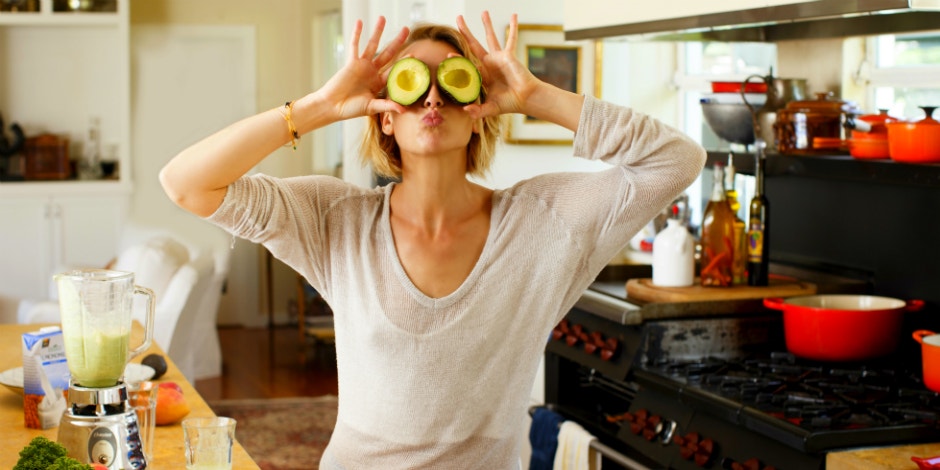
x=692, y=447
x=637, y=420
x=705, y=452
x=652, y=427
x=687, y=444
x=750, y=464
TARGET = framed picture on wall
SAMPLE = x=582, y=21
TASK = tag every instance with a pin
x=570, y=65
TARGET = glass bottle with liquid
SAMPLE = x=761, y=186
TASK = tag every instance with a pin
x=739, y=263
x=717, y=236
x=758, y=231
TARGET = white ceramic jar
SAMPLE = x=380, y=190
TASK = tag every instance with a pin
x=673, y=256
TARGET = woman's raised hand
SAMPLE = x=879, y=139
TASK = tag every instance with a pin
x=352, y=91
x=508, y=83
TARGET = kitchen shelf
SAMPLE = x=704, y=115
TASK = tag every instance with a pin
x=840, y=167
x=60, y=19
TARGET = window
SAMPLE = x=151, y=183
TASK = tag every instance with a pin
x=699, y=64
x=904, y=73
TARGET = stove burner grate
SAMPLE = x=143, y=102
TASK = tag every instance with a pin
x=811, y=395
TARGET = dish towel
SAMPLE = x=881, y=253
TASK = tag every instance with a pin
x=543, y=436
x=574, y=448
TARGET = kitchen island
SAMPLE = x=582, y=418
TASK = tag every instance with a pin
x=168, y=440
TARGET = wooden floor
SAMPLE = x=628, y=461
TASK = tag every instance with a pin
x=270, y=363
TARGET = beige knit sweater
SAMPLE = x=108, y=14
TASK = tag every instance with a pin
x=445, y=382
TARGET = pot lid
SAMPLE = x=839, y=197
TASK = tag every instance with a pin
x=928, y=120
x=825, y=103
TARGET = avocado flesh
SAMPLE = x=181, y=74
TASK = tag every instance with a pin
x=460, y=79
x=407, y=81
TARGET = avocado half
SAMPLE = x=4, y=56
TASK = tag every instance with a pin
x=460, y=79
x=407, y=81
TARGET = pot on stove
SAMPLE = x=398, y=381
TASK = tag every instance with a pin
x=930, y=352
x=842, y=327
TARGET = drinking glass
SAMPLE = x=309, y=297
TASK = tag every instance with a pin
x=143, y=398
x=208, y=443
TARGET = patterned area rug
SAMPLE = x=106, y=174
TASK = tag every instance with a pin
x=282, y=433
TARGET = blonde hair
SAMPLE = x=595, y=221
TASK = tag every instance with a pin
x=382, y=150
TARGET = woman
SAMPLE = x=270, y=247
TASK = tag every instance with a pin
x=443, y=291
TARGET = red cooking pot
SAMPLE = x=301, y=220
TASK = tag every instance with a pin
x=915, y=142
x=842, y=327
x=870, y=135
x=930, y=356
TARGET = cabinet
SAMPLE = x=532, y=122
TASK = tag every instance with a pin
x=45, y=235
x=61, y=69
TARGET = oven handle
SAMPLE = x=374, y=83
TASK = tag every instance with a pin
x=605, y=451
x=612, y=454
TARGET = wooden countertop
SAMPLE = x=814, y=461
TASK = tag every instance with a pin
x=168, y=440
x=881, y=458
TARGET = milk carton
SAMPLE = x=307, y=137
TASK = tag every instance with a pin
x=45, y=377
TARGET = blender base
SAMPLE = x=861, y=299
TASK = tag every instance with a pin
x=112, y=440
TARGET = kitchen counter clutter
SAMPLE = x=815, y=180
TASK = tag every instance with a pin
x=168, y=440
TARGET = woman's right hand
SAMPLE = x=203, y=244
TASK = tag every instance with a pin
x=352, y=91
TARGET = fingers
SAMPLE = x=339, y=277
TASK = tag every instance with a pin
x=354, y=42
x=377, y=106
x=481, y=110
x=475, y=47
x=491, y=38
x=373, y=44
x=392, y=49
x=513, y=33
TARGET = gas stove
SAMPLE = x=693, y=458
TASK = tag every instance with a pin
x=651, y=393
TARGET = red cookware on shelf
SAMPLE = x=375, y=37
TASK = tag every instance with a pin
x=842, y=327
x=930, y=352
x=915, y=142
x=869, y=138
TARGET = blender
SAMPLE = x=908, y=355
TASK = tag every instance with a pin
x=99, y=425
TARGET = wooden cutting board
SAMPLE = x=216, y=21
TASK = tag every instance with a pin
x=644, y=290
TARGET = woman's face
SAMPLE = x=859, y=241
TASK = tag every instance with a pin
x=433, y=126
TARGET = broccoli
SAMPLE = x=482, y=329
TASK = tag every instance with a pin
x=68, y=463
x=46, y=454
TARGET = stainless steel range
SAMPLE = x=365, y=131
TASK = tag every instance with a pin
x=710, y=385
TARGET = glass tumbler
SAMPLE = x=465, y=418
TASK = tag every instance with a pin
x=143, y=398
x=208, y=443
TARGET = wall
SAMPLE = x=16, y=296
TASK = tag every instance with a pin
x=283, y=71
x=285, y=39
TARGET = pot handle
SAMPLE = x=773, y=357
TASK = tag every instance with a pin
x=913, y=305
x=919, y=335
x=775, y=303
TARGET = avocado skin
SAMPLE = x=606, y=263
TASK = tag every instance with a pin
x=157, y=362
x=421, y=74
x=464, y=95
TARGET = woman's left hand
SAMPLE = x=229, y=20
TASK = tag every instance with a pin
x=508, y=83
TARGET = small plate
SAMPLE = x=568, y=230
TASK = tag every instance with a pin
x=133, y=373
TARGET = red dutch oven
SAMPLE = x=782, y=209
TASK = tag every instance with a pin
x=842, y=327
x=915, y=142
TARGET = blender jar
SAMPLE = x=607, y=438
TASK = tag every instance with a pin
x=96, y=308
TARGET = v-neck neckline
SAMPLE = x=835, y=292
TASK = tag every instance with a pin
x=408, y=284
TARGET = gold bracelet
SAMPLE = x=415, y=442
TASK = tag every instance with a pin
x=294, y=137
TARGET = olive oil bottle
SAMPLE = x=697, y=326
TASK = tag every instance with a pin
x=758, y=231
x=739, y=261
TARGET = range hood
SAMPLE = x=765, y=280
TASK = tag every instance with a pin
x=773, y=21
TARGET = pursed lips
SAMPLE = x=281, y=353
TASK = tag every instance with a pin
x=432, y=119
